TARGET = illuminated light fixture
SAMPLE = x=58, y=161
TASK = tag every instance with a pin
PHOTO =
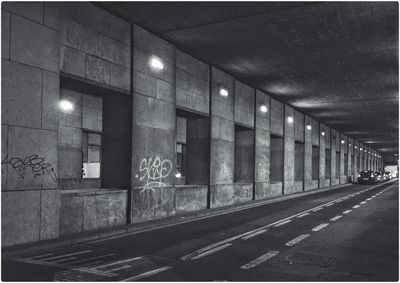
x=365, y=150
x=66, y=106
x=263, y=108
x=349, y=144
x=178, y=175
x=355, y=146
x=290, y=119
x=322, y=133
x=156, y=63
x=342, y=141
x=223, y=92
x=309, y=127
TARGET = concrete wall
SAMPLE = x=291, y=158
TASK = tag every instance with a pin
x=46, y=45
x=30, y=92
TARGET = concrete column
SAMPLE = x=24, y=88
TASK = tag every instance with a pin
x=350, y=154
x=343, y=150
x=222, y=139
x=288, y=168
x=277, y=122
x=30, y=96
x=334, y=138
x=154, y=122
x=262, y=148
x=356, y=163
x=322, y=142
x=308, y=135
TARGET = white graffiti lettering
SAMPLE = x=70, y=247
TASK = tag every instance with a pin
x=154, y=171
x=225, y=171
x=262, y=171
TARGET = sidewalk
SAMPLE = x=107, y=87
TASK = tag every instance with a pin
x=127, y=229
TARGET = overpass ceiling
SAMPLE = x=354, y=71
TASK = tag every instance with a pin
x=335, y=61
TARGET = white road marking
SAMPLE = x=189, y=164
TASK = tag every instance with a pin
x=330, y=204
x=65, y=255
x=296, y=240
x=118, y=268
x=347, y=211
x=319, y=227
x=363, y=202
x=91, y=263
x=302, y=215
x=65, y=259
x=118, y=262
x=259, y=260
x=212, y=251
x=336, y=218
x=319, y=208
x=356, y=206
x=283, y=223
x=369, y=198
x=147, y=274
x=91, y=258
x=39, y=256
x=254, y=234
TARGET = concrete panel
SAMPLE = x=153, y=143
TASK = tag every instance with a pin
x=310, y=185
x=243, y=192
x=165, y=91
x=262, y=190
x=222, y=195
x=71, y=214
x=95, y=211
x=72, y=61
x=42, y=42
x=70, y=161
x=32, y=163
x=276, y=188
x=4, y=148
x=21, y=95
x=152, y=203
x=262, y=119
x=5, y=34
x=190, y=198
x=222, y=162
x=288, y=167
x=117, y=202
x=20, y=217
x=30, y=10
x=262, y=156
x=277, y=117
x=80, y=37
x=98, y=70
x=145, y=84
x=244, y=104
x=315, y=132
x=52, y=15
x=50, y=99
x=299, y=126
x=49, y=214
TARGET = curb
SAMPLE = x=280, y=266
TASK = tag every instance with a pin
x=130, y=229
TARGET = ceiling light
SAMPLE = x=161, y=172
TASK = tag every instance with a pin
x=66, y=106
x=322, y=133
x=342, y=141
x=156, y=63
x=309, y=127
x=223, y=91
x=263, y=108
x=355, y=146
x=290, y=119
x=349, y=144
x=178, y=175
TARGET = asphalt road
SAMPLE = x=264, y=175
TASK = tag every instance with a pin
x=346, y=234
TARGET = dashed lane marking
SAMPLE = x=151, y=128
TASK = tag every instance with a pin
x=347, y=211
x=329, y=204
x=118, y=268
x=363, y=202
x=147, y=274
x=356, y=206
x=296, y=240
x=302, y=215
x=283, y=223
x=39, y=256
x=212, y=251
x=319, y=208
x=254, y=234
x=336, y=218
x=118, y=262
x=319, y=227
x=265, y=257
x=65, y=259
x=65, y=255
x=91, y=258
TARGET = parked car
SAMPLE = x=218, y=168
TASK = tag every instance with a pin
x=388, y=175
x=367, y=177
x=379, y=176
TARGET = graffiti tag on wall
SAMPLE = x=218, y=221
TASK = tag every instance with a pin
x=154, y=171
x=33, y=162
x=262, y=171
x=225, y=171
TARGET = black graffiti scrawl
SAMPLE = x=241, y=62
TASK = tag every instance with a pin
x=33, y=162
